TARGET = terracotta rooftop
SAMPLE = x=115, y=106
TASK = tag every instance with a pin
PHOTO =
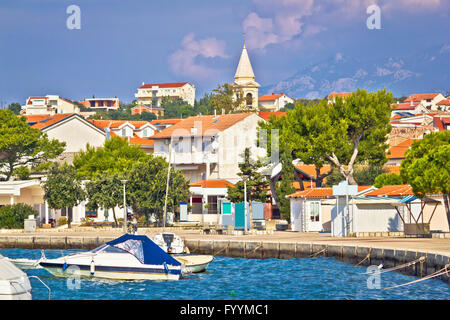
x=340, y=94
x=392, y=190
x=270, y=97
x=320, y=192
x=266, y=114
x=102, y=124
x=48, y=120
x=406, y=106
x=163, y=85
x=205, y=125
x=219, y=183
x=445, y=102
x=421, y=96
x=398, y=151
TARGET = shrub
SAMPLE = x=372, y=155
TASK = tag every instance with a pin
x=87, y=222
x=13, y=216
x=62, y=221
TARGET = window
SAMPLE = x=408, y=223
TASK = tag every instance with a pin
x=206, y=145
x=249, y=99
x=314, y=211
x=212, y=204
x=124, y=132
x=144, y=133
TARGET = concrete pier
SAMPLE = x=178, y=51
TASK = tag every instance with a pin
x=350, y=250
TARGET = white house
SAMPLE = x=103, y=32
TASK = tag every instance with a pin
x=48, y=105
x=210, y=147
x=274, y=102
x=206, y=199
x=428, y=100
x=151, y=94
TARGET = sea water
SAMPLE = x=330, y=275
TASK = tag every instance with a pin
x=237, y=278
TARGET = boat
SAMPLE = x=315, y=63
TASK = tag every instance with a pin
x=25, y=264
x=129, y=257
x=14, y=283
x=174, y=244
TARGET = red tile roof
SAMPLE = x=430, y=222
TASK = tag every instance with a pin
x=421, y=96
x=206, y=125
x=266, y=114
x=398, y=151
x=136, y=140
x=392, y=190
x=340, y=94
x=163, y=85
x=445, y=102
x=33, y=98
x=219, y=183
x=441, y=122
x=270, y=97
x=102, y=124
x=165, y=121
x=50, y=120
x=406, y=106
x=319, y=192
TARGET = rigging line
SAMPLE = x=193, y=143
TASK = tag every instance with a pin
x=317, y=253
x=421, y=259
x=440, y=272
x=367, y=257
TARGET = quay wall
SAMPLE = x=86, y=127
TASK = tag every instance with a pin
x=254, y=249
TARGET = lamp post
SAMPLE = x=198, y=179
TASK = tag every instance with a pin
x=125, y=218
x=245, y=178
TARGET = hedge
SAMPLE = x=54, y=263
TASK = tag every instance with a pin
x=13, y=216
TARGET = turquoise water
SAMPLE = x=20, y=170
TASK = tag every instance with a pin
x=242, y=279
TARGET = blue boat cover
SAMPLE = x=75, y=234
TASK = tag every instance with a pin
x=144, y=249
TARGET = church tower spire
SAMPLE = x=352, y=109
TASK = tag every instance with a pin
x=244, y=71
x=244, y=81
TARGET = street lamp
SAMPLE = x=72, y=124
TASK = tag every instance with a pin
x=124, y=206
x=245, y=178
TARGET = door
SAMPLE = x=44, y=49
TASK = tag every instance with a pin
x=313, y=216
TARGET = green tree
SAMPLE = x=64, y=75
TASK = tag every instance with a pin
x=63, y=188
x=117, y=156
x=175, y=107
x=359, y=128
x=286, y=186
x=21, y=145
x=426, y=166
x=256, y=182
x=366, y=175
x=15, y=107
x=105, y=192
x=13, y=216
x=146, y=187
x=228, y=99
x=388, y=179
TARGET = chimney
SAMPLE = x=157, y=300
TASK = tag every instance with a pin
x=143, y=82
x=273, y=93
x=412, y=103
x=223, y=111
x=215, y=115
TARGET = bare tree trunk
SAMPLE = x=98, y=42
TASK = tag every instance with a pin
x=447, y=206
x=115, y=218
x=300, y=180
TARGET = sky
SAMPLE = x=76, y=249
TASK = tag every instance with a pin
x=121, y=44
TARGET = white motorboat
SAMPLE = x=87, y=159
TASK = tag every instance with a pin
x=169, y=242
x=174, y=244
x=14, y=283
x=25, y=264
x=129, y=257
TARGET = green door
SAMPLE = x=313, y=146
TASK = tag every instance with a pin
x=239, y=217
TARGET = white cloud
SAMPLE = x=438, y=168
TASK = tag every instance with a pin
x=183, y=62
x=338, y=57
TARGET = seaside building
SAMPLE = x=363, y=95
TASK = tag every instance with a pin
x=48, y=105
x=209, y=147
x=244, y=80
x=159, y=112
x=428, y=100
x=274, y=102
x=101, y=103
x=151, y=94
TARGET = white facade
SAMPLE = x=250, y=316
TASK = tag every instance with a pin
x=50, y=104
x=76, y=132
x=213, y=157
x=274, y=102
x=152, y=94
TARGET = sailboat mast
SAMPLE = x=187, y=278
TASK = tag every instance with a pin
x=167, y=185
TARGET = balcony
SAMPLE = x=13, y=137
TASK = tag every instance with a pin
x=191, y=157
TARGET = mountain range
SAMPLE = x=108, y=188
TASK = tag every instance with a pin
x=424, y=72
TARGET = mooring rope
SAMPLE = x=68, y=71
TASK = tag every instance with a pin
x=367, y=257
x=317, y=253
x=444, y=270
x=421, y=260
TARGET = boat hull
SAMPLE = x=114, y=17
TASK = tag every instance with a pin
x=111, y=272
x=194, y=263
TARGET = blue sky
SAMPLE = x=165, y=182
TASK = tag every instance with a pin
x=123, y=43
